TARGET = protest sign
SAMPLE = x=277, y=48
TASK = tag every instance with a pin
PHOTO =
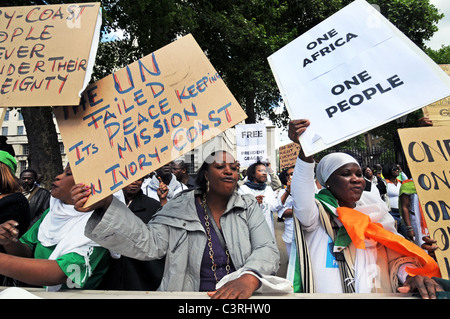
x=288, y=155
x=47, y=53
x=427, y=152
x=145, y=115
x=251, y=143
x=351, y=73
x=439, y=111
x=2, y=114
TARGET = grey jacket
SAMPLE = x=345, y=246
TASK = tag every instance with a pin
x=176, y=232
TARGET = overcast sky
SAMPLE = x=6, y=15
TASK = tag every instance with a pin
x=442, y=37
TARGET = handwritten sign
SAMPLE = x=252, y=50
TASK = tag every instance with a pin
x=427, y=152
x=145, y=115
x=288, y=155
x=351, y=73
x=439, y=112
x=47, y=53
x=251, y=143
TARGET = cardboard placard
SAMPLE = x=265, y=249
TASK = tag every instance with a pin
x=439, y=111
x=141, y=117
x=351, y=73
x=251, y=143
x=47, y=53
x=427, y=152
x=288, y=154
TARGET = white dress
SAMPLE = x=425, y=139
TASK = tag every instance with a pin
x=288, y=221
x=372, y=265
x=269, y=205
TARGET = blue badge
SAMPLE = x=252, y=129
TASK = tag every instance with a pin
x=331, y=260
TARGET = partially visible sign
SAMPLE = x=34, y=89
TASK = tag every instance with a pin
x=251, y=143
x=427, y=152
x=145, y=115
x=47, y=53
x=351, y=73
x=288, y=155
x=439, y=112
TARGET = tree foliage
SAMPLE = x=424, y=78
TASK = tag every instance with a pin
x=440, y=56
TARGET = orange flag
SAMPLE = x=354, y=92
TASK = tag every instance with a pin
x=359, y=227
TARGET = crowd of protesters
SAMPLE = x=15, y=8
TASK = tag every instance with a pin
x=214, y=231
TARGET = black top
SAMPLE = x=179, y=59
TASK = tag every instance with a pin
x=14, y=207
x=39, y=202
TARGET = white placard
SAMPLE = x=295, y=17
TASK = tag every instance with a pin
x=351, y=73
x=251, y=143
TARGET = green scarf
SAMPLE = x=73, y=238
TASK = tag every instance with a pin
x=329, y=202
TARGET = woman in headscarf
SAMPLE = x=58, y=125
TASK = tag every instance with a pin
x=208, y=237
x=352, y=241
x=54, y=252
x=257, y=186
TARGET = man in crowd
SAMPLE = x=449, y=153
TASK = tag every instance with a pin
x=180, y=170
x=38, y=197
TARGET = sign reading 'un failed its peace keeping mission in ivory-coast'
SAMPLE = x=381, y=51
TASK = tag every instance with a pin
x=143, y=116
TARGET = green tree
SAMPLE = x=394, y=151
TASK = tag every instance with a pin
x=440, y=56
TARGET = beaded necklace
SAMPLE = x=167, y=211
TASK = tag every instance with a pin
x=208, y=236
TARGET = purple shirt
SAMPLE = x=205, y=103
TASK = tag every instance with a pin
x=207, y=279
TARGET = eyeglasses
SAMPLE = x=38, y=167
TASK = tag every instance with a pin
x=175, y=168
x=395, y=169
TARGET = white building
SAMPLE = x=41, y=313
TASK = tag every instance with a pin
x=14, y=129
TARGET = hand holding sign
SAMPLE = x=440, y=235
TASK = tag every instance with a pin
x=143, y=116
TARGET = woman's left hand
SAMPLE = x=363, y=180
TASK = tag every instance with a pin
x=240, y=288
x=80, y=194
x=426, y=286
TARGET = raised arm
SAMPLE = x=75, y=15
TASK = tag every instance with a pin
x=302, y=185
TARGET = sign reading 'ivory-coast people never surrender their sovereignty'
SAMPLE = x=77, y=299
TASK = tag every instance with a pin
x=47, y=53
x=427, y=151
x=351, y=73
x=145, y=115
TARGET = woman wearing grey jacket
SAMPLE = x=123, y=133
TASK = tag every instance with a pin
x=204, y=234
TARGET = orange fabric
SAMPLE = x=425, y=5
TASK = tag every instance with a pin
x=359, y=227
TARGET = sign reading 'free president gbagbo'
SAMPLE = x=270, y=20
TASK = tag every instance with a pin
x=351, y=73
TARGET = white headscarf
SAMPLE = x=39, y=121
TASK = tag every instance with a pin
x=330, y=163
x=366, y=269
x=63, y=227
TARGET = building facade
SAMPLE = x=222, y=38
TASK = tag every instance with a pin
x=14, y=130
